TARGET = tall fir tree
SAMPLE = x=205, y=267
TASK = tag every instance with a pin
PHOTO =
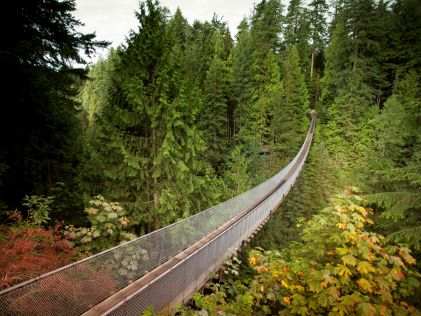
x=241, y=76
x=318, y=31
x=213, y=118
x=266, y=26
x=289, y=114
x=150, y=142
x=395, y=173
x=40, y=124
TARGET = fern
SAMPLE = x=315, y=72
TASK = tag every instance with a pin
x=410, y=236
x=397, y=205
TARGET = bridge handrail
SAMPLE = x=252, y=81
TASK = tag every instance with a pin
x=77, y=287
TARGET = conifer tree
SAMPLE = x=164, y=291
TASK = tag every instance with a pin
x=213, y=120
x=292, y=20
x=297, y=32
x=336, y=66
x=405, y=36
x=39, y=119
x=318, y=30
x=241, y=76
x=289, y=115
x=266, y=86
x=150, y=143
x=266, y=25
x=395, y=173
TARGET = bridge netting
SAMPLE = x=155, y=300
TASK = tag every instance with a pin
x=82, y=286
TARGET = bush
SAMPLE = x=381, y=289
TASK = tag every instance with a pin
x=27, y=252
x=338, y=268
x=108, y=222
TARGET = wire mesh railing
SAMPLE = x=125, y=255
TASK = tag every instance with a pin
x=77, y=288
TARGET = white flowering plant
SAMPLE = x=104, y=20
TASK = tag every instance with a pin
x=109, y=226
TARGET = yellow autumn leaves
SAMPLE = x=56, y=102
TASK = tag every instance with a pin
x=339, y=267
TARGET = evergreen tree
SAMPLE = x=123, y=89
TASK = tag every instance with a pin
x=267, y=87
x=318, y=30
x=236, y=175
x=266, y=25
x=39, y=119
x=405, y=36
x=241, y=76
x=289, y=115
x=213, y=118
x=395, y=173
x=150, y=142
x=297, y=32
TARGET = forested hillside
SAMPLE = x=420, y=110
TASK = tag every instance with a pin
x=181, y=117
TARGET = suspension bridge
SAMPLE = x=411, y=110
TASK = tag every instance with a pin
x=160, y=269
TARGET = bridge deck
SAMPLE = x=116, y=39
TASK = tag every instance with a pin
x=179, y=257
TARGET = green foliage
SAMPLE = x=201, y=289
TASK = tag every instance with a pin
x=289, y=112
x=266, y=22
x=144, y=137
x=40, y=125
x=236, y=174
x=268, y=91
x=213, y=119
x=180, y=117
x=38, y=208
x=338, y=268
x=317, y=182
x=400, y=218
x=108, y=227
x=396, y=171
x=241, y=76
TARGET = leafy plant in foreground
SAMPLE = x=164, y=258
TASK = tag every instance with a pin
x=108, y=223
x=338, y=268
x=27, y=252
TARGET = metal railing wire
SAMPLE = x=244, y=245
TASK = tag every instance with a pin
x=77, y=288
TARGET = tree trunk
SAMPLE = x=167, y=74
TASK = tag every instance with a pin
x=156, y=206
x=313, y=57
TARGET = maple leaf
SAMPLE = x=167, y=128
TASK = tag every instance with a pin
x=386, y=296
x=349, y=300
x=344, y=271
x=341, y=225
x=396, y=261
x=335, y=292
x=342, y=251
x=397, y=275
x=349, y=260
x=362, y=210
x=365, y=285
x=404, y=253
x=367, y=309
x=365, y=267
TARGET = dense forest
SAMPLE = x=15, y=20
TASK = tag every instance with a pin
x=181, y=117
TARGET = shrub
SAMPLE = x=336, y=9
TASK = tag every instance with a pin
x=27, y=252
x=338, y=268
x=108, y=222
